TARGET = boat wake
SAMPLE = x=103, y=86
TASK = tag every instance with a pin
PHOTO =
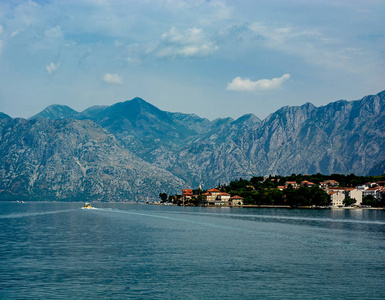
x=24, y=215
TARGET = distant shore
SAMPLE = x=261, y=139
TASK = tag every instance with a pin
x=273, y=206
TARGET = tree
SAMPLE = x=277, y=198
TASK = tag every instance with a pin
x=318, y=197
x=349, y=201
x=370, y=200
x=163, y=197
x=256, y=179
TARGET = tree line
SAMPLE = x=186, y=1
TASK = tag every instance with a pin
x=264, y=191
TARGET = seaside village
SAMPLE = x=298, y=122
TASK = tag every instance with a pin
x=337, y=194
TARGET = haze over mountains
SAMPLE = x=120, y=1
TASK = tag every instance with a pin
x=132, y=150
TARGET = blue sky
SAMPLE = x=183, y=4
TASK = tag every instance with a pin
x=212, y=58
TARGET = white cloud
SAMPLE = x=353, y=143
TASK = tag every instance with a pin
x=313, y=46
x=246, y=85
x=112, y=78
x=190, y=43
x=51, y=67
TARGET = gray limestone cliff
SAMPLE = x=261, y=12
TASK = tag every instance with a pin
x=73, y=160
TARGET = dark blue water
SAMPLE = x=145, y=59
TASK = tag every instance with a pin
x=123, y=251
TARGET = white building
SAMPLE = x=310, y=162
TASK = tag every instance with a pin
x=236, y=200
x=337, y=198
x=352, y=193
x=375, y=192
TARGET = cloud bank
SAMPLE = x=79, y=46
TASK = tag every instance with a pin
x=246, y=85
x=112, y=78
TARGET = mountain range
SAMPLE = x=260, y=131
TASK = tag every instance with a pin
x=133, y=150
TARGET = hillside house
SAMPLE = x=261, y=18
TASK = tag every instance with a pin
x=294, y=184
x=328, y=183
x=332, y=183
x=307, y=183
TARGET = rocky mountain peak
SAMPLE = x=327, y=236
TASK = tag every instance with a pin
x=56, y=112
x=248, y=119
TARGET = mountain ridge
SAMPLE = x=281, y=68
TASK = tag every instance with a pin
x=340, y=137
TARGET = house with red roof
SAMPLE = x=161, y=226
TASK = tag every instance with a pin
x=294, y=184
x=236, y=200
x=332, y=183
x=216, y=197
x=187, y=194
x=307, y=183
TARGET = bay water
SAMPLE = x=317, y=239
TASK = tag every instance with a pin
x=132, y=251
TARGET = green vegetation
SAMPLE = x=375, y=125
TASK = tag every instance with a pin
x=272, y=191
x=163, y=197
x=373, y=202
x=260, y=191
x=349, y=201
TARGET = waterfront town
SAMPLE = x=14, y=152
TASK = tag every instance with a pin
x=278, y=192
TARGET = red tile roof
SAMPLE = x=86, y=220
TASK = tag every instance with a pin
x=341, y=188
x=332, y=181
x=236, y=197
x=214, y=190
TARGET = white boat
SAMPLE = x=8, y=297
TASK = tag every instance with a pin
x=87, y=206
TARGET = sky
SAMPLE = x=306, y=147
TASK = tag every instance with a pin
x=213, y=58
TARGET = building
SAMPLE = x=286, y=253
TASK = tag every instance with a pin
x=337, y=198
x=323, y=185
x=307, y=183
x=328, y=183
x=216, y=197
x=222, y=199
x=187, y=194
x=332, y=183
x=352, y=193
x=210, y=196
x=236, y=200
x=294, y=184
x=376, y=192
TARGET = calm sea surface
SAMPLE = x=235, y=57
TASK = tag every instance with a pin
x=128, y=251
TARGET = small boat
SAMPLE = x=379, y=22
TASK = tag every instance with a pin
x=87, y=205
